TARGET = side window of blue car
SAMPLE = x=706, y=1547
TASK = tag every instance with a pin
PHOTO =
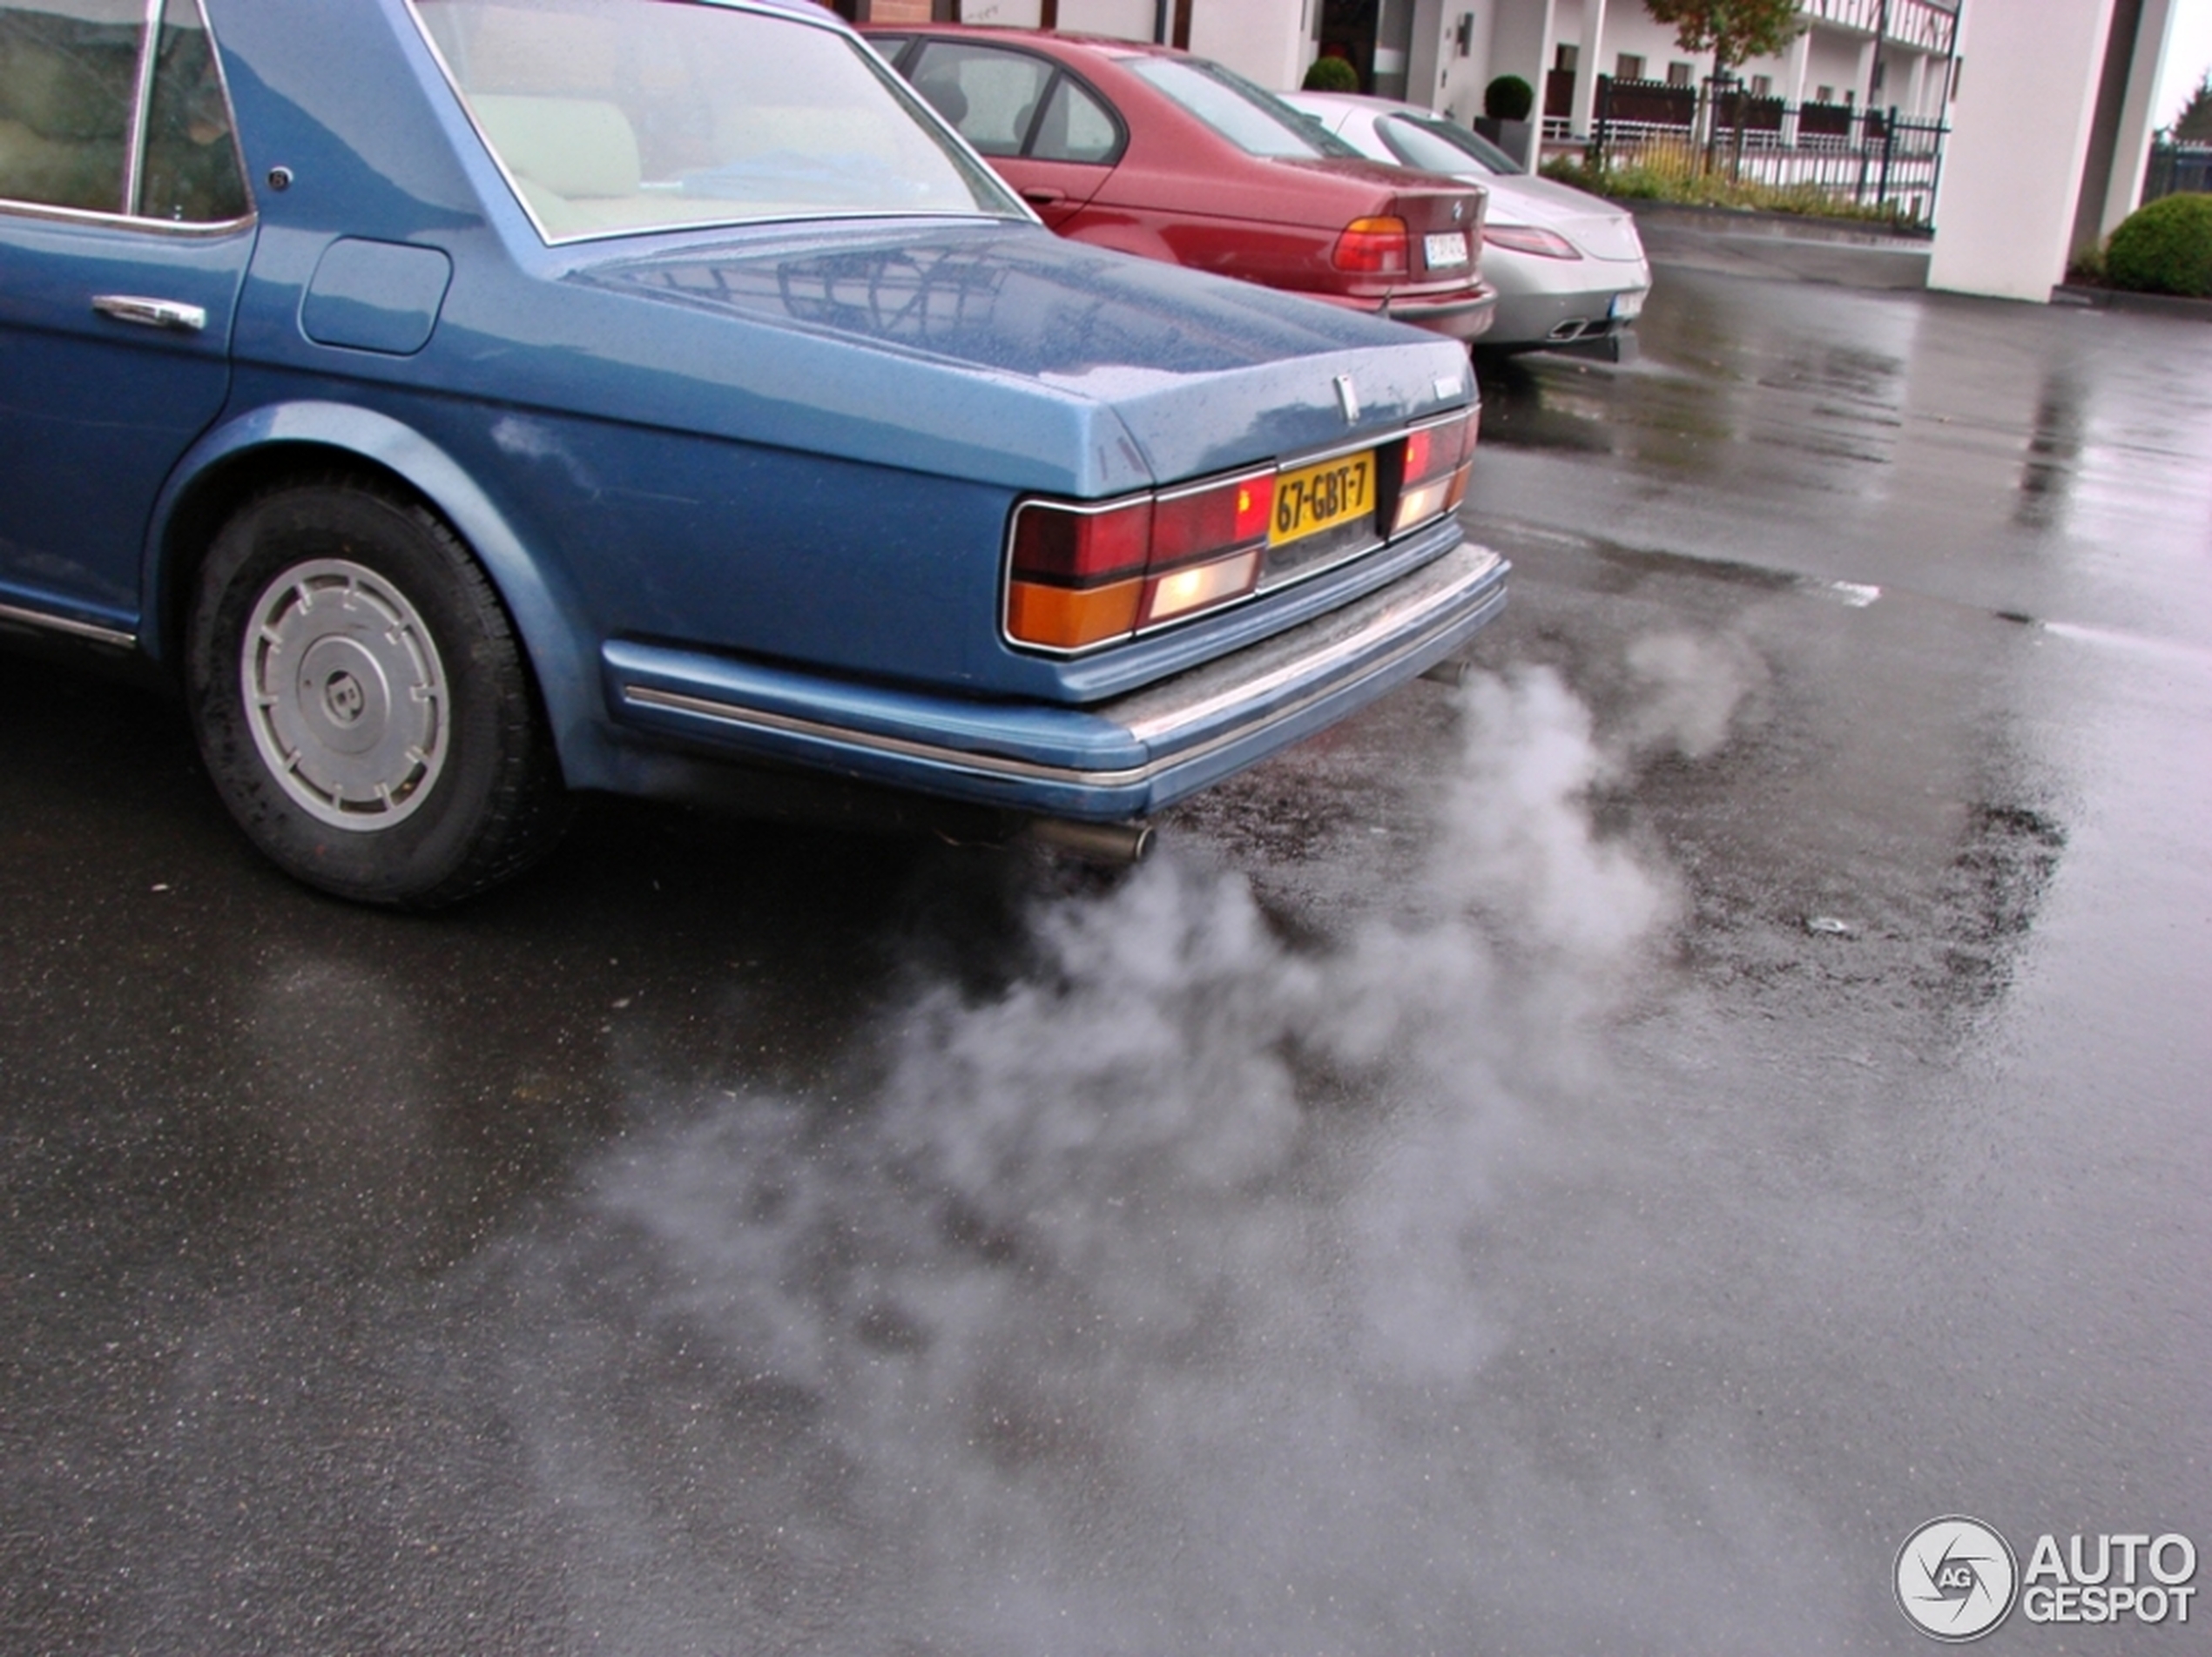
x=88, y=122
x=193, y=173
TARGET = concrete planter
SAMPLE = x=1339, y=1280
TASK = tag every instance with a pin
x=1514, y=137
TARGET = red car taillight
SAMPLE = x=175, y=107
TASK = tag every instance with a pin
x=1081, y=576
x=1433, y=470
x=1374, y=247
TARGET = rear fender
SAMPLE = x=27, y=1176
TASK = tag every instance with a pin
x=551, y=619
x=1105, y=227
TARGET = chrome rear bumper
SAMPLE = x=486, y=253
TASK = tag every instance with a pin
x=1103, y=764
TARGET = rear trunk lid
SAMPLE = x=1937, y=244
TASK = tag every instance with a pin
x=1445, y=227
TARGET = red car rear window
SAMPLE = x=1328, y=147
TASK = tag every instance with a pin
x=1255, y=121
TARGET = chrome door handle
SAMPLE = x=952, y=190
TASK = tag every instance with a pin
x=151, y=313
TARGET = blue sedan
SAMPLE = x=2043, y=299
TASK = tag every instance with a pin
x=470, y=402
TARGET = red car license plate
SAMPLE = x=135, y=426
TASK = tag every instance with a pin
x=1444, y=251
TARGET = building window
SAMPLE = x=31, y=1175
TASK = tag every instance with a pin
x=1677, y=74
x=1565, y=58
x=1761, y=86
x=1825, y=95
x=1628, y=67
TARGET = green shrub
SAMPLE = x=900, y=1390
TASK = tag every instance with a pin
x=2164, y=248
x=1676, y=173
x=1330, y=75
x=1508, y=99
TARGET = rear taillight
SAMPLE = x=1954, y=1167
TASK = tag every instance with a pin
x=1081, y=576
x=1373, y=247
x=1433, y=470
x=1529, y=238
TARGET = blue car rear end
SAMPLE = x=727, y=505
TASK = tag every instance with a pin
x=737, y=439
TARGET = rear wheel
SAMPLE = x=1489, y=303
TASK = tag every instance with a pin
x=362, y=701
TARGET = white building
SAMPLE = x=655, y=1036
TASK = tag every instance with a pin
x=2048, y=101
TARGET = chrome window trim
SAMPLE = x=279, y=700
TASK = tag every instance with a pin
x=829, y=24
x=691, y=227
x=134, y=158
x=193, y=228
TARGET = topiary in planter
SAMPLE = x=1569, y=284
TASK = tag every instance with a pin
x=2164, y=248
x=1330, y=75
x=1508, y=99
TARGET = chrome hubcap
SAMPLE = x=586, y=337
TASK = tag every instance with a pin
x=345, y=694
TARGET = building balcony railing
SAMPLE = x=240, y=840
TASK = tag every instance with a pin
x=1927, y=25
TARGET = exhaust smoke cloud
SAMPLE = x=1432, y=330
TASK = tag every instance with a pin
x=1145, y=1303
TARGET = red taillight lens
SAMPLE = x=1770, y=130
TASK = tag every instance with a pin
x=1419, y=446
x=1202, y=522
x=1080, y=578
x=1373, y=247
x=1061, y=544
x=1433, y=471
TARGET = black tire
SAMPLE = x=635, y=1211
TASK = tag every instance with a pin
x=362, y=703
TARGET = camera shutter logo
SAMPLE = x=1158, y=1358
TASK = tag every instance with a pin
x=1956, y=1578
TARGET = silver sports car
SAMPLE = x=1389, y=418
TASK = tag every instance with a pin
x=1569, y=267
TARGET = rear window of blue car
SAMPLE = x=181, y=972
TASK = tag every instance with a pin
x=610, y=116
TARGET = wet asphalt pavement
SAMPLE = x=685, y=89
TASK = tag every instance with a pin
x=1581, y=1162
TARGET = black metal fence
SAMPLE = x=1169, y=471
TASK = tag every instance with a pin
x=2177, y=167
x=1864, y=157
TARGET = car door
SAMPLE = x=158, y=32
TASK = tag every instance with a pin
x=1047, y=133
x=125, y=232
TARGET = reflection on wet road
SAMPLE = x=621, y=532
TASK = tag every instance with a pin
x=1587, y=1161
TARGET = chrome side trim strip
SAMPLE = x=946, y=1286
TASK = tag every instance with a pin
x=731, y=713
x=90, y=630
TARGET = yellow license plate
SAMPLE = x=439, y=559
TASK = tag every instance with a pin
x=1317, y=497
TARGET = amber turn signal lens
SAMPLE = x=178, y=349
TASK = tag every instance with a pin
x=1068, y=618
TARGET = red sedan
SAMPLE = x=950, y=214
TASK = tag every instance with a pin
x=1155, y=152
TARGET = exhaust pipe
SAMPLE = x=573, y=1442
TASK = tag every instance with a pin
x=1116, y=843
x=1451, y=671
